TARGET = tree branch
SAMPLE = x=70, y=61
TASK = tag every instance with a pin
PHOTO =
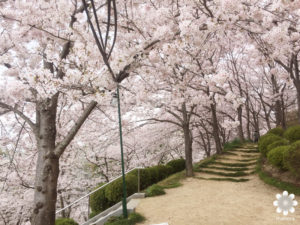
x=19, y=113
x=59, y=149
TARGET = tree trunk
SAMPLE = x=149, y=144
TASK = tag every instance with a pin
x=188, y=142
x=298, y=103
x=248, y=119
x=240, y=127
x=188, y=151
x=47, y=169
x=216, y=132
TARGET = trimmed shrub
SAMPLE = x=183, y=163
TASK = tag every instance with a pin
x=177, y=165
x=99, y=202
x=291, y=159
x=278, y=143
x=114, y=191
x=163, y=171
x=292, y=133
x=154, y=190
x=277, y=131
x=153, y=174
x=65, y=221
x=145, y=177
x=275, y=156
x=266, y=140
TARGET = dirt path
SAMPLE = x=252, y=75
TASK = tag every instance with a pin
x=210, y=202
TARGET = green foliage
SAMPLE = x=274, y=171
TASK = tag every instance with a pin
x=265, y=141
x=275, y=156
x=133, y=219
x=145, y=177
x=233, y=174
x=65, y=221
x=292, y=133
x=277, y=131
x=163, y=171
x=98, y=201
x=114, y=191
x=232, y=144
x=205, y=162
x=291, y=159
x=275, y=182
x=172, y=181
x=224, y=179
x=177, y=165
x=281, y=142
x=154, y=190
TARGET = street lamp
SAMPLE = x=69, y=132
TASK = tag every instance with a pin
x=116, y=100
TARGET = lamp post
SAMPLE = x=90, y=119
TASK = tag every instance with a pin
x=116, y=97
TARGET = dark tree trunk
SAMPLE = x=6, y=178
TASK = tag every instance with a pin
x=216, y=132
x=47, y=169
x=248, y=119
x=188, y=142
x=240, y=127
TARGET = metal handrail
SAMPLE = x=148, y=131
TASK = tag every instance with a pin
x=58, y=211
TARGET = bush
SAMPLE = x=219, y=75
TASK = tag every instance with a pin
x=177, y=165
x=145, y=177
x=99, y=202
x=278, y=143
x=114, y=191
x=65, y=221
x=292, y=133
x=277, y=131
x=163, y=171
x=266, y=140
x=275, y=156
x=133, y=219
x=291, y=159
x=154, y=190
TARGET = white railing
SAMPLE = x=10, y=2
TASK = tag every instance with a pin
x=88, y=194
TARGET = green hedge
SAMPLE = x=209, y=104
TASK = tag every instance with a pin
x=266, y=140
x=281, y=142
x=277, y=131
x=275, y=156
x=291, y=159
x=177, y=165
x=292, y=133
x=99, y=202
x=65, y=221
x=112, y=193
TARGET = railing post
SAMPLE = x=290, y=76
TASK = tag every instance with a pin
x=139, y=181
x=88, y=208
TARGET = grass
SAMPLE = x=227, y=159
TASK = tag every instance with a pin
x=235, y=164
x=224, y=179
x=291, y=188
x=132, y=219
x=247, y=160
x=205, y=162
x=154, y=190
x=235, y=174
x=172, y=181
x=228, y=168
x=229, y=153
